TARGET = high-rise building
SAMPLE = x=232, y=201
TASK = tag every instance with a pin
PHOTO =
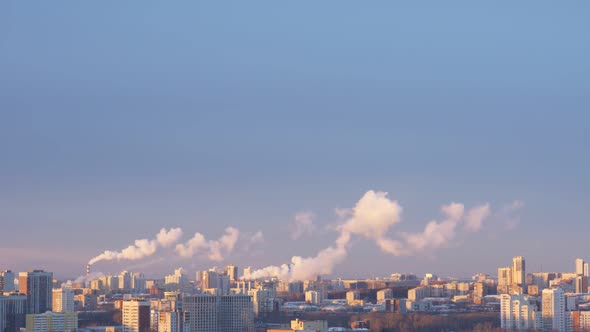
x=504, y=276
x=385, y=294
x=125, y=280
x=581, y=284
x=586, y=272
x=177, y=278
x=517, y=313
x=52, y=321
x=262, y=300
x=200, y=313
x=553, y=309
x=313, y=297
x=169, y=321
x=236, y=313
x=136, y=316
x=37, y=286
x=519, y=271
x=63, y=300
x=232, y=272
x=579, y=266
x=13, y=311
x=6, y=281
x=210, y=279
x=210, y=313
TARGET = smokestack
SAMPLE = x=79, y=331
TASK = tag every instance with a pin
x=87, y=270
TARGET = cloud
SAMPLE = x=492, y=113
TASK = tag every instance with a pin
x=302, y=225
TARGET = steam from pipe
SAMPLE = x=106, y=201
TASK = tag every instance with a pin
x=141, y=248
x=372, y=218
x=215, y=250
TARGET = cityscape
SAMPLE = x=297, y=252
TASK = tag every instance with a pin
x=283, y=166
x=233, y=299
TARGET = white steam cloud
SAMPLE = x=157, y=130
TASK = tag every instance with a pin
x=372, y=218
x=141, y=248
x=215, y=250
x=302, y=225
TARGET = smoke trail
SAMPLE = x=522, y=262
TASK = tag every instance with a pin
x=215, y=250
x=302, y=225
x=372, y=218
x=141, y=248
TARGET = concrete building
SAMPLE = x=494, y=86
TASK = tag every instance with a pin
x=504, y=279
x=352, y=297
x=169, y=321
x=519, y=271
x=313, y=297
x=232, y=272
x=518, y=313
x=37, y=286
x=579, y=264
x=209, y=313
x=581, y=284
x=309, y=325
x=385, y=294
x=6, y=281
x=136, y=316
x=553, y=310
x=63, y=300
x=52, y=322
x=579, y=320
x=178, y=277
x=262, y=301
x=13, y=311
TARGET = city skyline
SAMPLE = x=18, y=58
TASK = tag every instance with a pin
x=120, y=119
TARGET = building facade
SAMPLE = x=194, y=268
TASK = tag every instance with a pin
x=38, y=287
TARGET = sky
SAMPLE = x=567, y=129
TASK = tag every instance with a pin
x=119, y=118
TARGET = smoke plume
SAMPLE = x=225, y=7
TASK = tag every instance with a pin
x=215, y=250
x=141, y=248
x=373, y=218
x=302, y=225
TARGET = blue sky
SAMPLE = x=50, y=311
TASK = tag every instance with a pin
x=119, y=118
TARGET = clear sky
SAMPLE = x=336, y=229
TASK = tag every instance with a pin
x=118, y=118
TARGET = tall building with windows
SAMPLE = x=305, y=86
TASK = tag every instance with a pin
x=136, y=316
x=581, y=284
x=63, y=300
x=232, y=272
x=519, y=271
x=169, y=321
x=210, y=313
x=6, y=281
x=37, y=286
x=504, y=279
x=13, y=311
x=236, y=313
x=553, y=310
x=517, y=313
x=579, y=266
x=262, y=300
